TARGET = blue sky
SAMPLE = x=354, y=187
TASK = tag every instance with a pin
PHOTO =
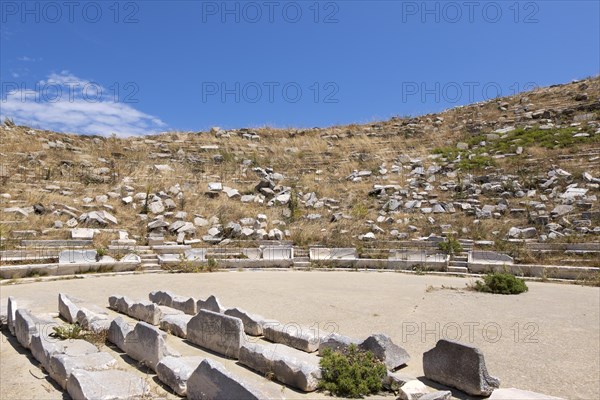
x=137, y=67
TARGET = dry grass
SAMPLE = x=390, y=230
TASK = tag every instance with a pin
x=28, y=167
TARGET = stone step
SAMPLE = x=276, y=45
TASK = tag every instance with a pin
x=151, y=267
x=301, y=264
x=458, y=270
x=458, y=264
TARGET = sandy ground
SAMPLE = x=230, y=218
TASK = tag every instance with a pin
x=546, y=340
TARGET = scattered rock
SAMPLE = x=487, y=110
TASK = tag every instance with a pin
x=382, y=347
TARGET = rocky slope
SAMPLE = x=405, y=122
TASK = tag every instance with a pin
x=525, y=167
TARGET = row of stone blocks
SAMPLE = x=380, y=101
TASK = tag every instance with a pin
x=76, y=365
x=87, y=373
x=194, y=377
x=222, y=330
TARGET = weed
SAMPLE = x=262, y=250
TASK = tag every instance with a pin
x=353, y=373
x=450, y=246
x=71, y=331
x=501, y=283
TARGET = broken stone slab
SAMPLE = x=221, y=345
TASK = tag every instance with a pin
x=147, y=344
x=217, y=332
x=253, y=323
x=67, y=307
x=131, y=258
x=61, y=366
x=146, y=311
x=412, y=390
x=11, y=308
x=283, y=364
x=120, y=304
x=211, y=381
x=459, y=365
x=440, y=395
x=118, y=331
x=382, y=347
x=82, y=233
x=323, y=254
x=77, y=256
x=175, y=324
x=293, y=335
x=562, y=209
x=166, y=298
x=512, y=393
x=26, y=325
x=43, y=347
x=185, y=304
x=162, y=298
x=169, y=311
x=92, y=321
x=394, y=380
x=175, y=372
x=489, y=257
x=108, y=384
x=210, y=304
x=277, y=253
x=336, y=342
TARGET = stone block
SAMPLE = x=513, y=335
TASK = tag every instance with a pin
x=210, y=304
x=147, y=344
x=336, y=342
x=109, y=384
x=217, y=332
x=460, y=366
x=61, y=366
x=176, y=324
x=283, y=364
x=253, y=323
x=382, y=347
x=146, y=311
x=293, y=335
x=26, y=325
x=43, y=347
x=211, y=381
x=118, y=331
x=175, y=372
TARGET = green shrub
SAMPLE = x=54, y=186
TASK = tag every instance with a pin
x=64, y=332
x=100, y=252
x=354, y=373
x=451, y=245
x=501, y=283
x=211, y=264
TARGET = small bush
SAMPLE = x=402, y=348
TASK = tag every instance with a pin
x=100, y=252
x=353, y=374
x=65, y=332
x=501, y=283
x=211, y=264
x=450, y=246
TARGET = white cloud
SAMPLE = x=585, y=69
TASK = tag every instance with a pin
x=66, y=103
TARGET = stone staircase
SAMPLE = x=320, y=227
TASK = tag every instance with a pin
x=301, y=258
x=458, y=263
x=149, y=259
